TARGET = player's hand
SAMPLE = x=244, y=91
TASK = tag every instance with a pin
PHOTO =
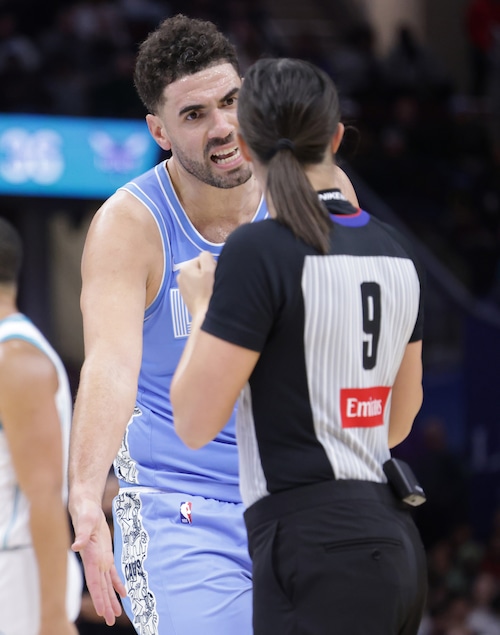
x=93, y=541
x=196, y=281
x=57, y=626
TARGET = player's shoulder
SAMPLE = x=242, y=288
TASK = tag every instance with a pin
x=145, y=178
x=122, y=217
x=22, y=365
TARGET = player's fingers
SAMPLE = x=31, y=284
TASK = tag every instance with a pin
x=117, y=583
x=189, y=266
x=108, y=595
x=207, y=261
x=115, y=604
x=80, y=542
x=94, y=585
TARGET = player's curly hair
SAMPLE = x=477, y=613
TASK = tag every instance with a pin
x=180, y=46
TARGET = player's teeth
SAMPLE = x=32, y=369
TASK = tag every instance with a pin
x=225, y=159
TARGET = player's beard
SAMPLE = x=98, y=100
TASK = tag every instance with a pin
x=203, y=172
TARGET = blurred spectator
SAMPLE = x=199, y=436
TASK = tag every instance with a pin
x=146, y=11
x=493, y=93
x=142, y=16
x=491, y=560
x=444, y=480
x=484, y=618
x=307, y=46
x=15, y=48
x=113, y=94
x=66, y=87
x=355, y=65
x=410, y=66
x=249, y=27
x=100, y=20
x=482, y=21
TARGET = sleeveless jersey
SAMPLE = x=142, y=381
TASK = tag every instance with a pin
x=151, y=453
x=14, y=519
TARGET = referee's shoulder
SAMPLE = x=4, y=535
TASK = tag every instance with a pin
x=397, y=235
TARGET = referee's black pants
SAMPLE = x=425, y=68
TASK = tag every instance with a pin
x=336, y=558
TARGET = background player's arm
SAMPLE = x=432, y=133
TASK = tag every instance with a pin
x=407, y=394
x=28, y=384
x=115, y=271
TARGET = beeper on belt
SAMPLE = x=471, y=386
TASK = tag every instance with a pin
x=404, y=482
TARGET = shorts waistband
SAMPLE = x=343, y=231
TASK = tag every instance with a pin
x=15, y=548
x=144, y=490
x=309, y=496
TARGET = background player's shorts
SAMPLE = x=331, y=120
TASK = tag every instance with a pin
x=185, y=563
x=19, y=591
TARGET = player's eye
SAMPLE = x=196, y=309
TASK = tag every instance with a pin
x=192, y=116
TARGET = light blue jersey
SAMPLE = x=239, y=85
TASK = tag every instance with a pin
x=180, y=539
x=152, y=454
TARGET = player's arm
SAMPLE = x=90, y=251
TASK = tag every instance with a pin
x=407, y=394
x=28, y=384
x=217, y=368
x=116, y=268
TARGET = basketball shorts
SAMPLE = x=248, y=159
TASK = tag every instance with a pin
x=184, y=561
x=19, y=591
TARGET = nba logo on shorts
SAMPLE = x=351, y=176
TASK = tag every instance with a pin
x=186, y=513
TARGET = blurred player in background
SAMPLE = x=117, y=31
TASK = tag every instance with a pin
x=40, y=578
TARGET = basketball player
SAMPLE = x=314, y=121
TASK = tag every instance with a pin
x=40, y=578
x=180, y=548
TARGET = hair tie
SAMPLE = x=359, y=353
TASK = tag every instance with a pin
x=285, y=144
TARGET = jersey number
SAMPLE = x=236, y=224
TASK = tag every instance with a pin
x=370, y=297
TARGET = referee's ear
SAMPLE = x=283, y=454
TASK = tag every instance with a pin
x=338, y=135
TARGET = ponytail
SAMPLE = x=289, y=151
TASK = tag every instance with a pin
x=288, y=112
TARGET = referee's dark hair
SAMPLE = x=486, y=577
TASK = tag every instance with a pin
x=288, y=111
x=11, y=253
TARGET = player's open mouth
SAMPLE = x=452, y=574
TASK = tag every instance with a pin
x=225, y=157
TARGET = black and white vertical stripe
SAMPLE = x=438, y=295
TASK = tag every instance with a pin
x=333, y=340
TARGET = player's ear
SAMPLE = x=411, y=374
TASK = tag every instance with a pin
x=158, y=132
x=244, y=148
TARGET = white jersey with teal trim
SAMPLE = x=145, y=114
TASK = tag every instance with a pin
x=151, y=453
x=14, y=519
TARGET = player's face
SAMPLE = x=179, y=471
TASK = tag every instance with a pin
x=199, y=120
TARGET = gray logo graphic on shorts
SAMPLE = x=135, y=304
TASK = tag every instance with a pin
x=135, y=550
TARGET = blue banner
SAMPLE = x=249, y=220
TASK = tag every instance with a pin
x=71, y=157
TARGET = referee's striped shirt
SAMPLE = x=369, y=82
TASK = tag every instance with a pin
x=331, y=330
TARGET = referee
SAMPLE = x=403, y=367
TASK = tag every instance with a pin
x=315, y=323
